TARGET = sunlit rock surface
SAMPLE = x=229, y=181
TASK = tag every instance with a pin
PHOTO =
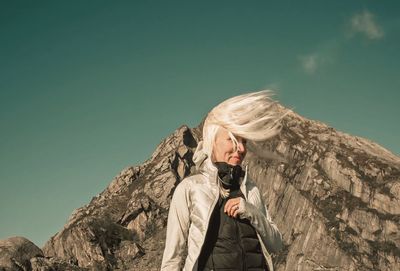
x=16, y=252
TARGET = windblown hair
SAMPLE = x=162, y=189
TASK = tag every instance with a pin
x=253, y=116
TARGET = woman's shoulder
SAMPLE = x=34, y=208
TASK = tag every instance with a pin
x=186, y=185
x=189, y=184
x=192, y=179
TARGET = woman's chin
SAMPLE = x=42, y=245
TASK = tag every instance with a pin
x=235, y=162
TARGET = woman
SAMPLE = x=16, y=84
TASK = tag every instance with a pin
x=218, y=214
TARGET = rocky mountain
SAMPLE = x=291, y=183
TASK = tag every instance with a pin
x=335, y=198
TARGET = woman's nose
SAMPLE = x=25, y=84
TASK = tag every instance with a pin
x=240, y=147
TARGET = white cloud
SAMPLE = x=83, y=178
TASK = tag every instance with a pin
x=323, y=56
x=326, y=53
x=365, y=23
x=311, y=63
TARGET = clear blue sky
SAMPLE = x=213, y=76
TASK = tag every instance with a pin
x=90, y=87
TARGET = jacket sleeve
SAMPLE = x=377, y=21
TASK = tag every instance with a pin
x=177, y=229
x=258, y=216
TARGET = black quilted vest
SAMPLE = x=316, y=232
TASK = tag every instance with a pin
x=231, y=243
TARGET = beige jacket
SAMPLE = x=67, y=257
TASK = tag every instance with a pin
x=191, y=206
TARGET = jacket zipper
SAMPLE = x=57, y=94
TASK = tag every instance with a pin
x=208, y=224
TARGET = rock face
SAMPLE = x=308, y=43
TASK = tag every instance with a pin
x=123, y=228
x=20, y=254
x=16, y=252
x=335, y=199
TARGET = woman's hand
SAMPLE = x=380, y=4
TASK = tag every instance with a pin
x=232, y=207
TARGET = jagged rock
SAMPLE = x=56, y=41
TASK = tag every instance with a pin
x=20, y=254
x=335, y=198
x=115, y=230
x=16, y=252
x=53, y=264
x=127, y=253
x=90, y=243
x=336, y=202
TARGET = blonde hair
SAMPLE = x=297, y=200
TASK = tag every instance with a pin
x=253, y=116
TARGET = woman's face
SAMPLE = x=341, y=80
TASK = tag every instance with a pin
x=224, y=148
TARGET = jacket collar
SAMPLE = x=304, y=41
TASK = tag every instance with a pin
x=211, y=171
